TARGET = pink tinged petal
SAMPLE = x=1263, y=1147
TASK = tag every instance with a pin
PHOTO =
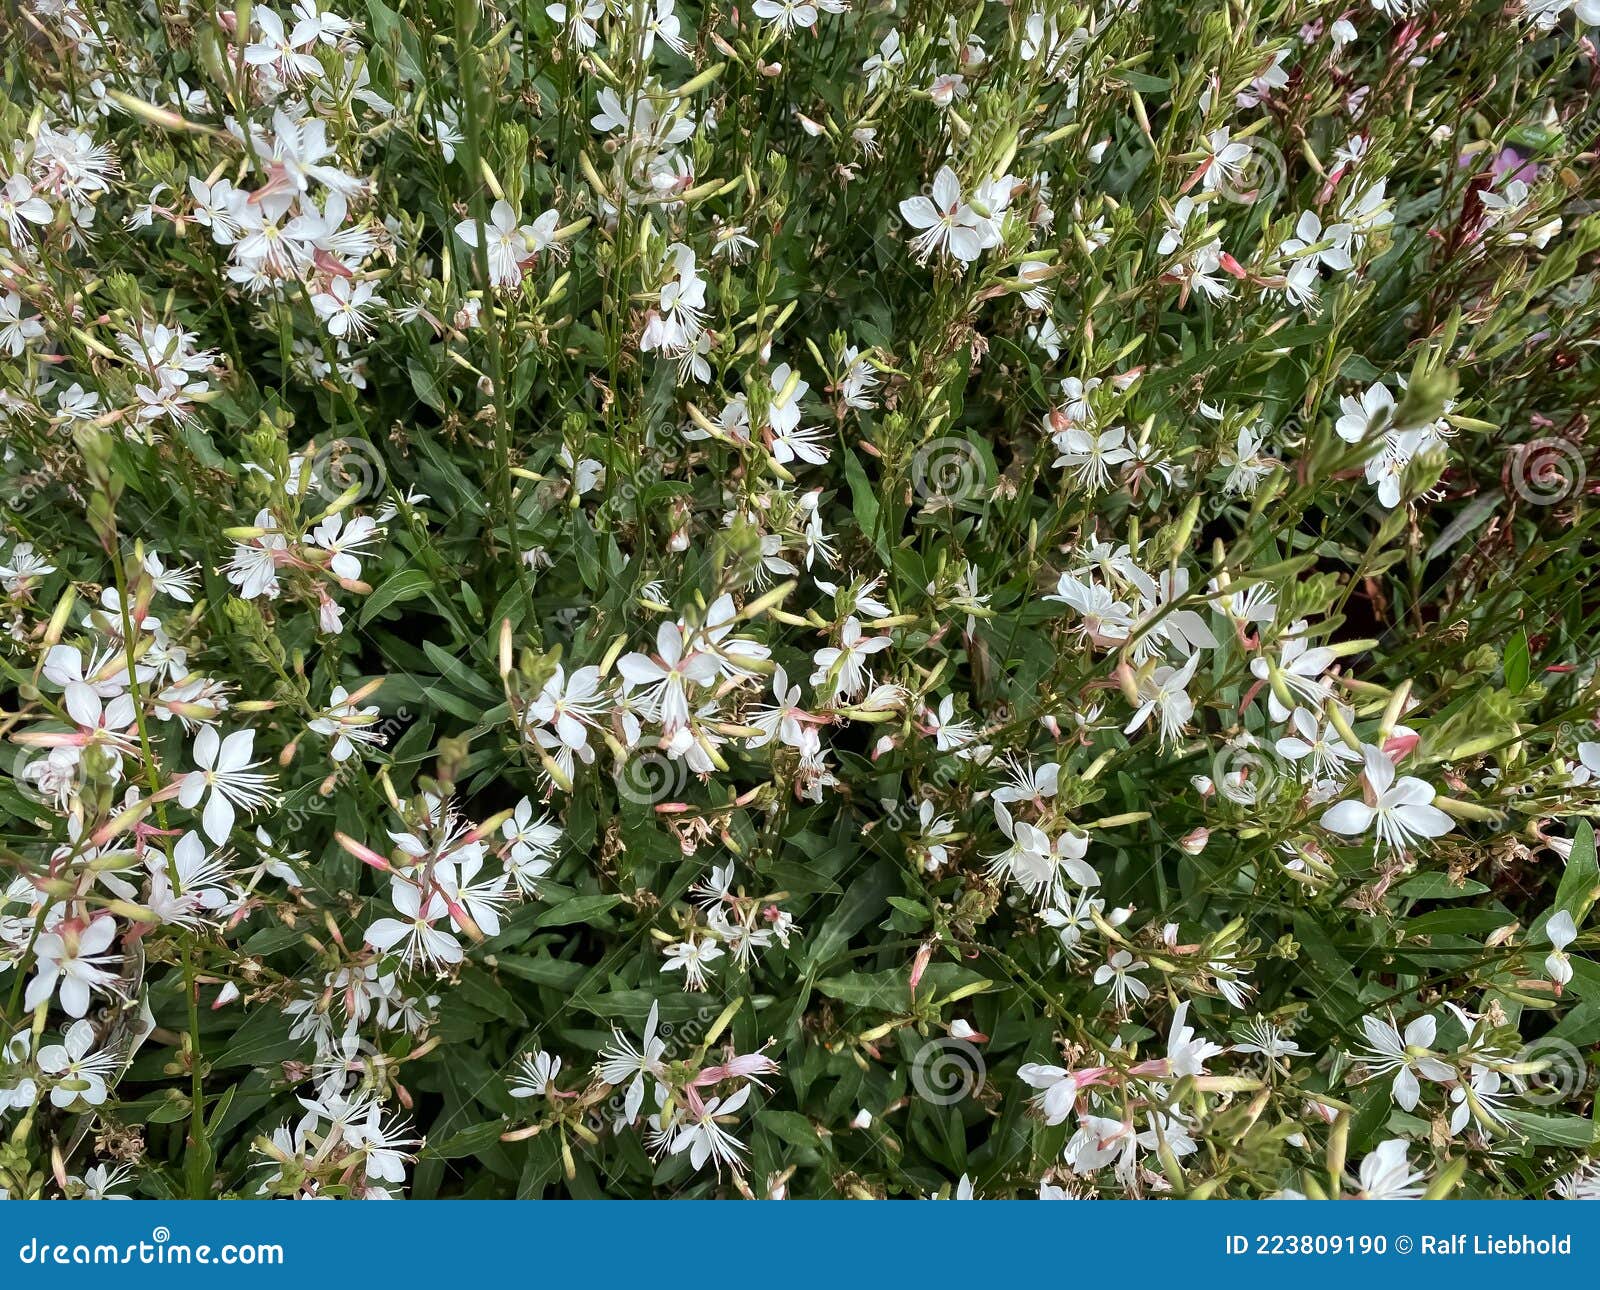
x=1379, y=769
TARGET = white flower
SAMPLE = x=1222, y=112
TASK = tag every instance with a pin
x=1058, y=1090
x=621, y=1062
x=78, y=1073
x=419, y=941
x=343, y=541
x=22, y=566
x=346, y=724
x=705, y=1139
x=1399, y=811
x=1092, y=457
x=1386, y=1174
x=532, y=843
x=845, y=664
x=1038, y=864
x=1560, y=931
x=786, y=16
x=15, y=330
x=1261, y=1036
x=1407, y=1056
x=1187, y=1055
x=1118, y=973
x=1366, y=417
x=510, y=246
x=668, y=675
x=342, y=307
x=536, y=1074
x=888, y=57
x=947, y=223
x=691, y=957
x=74, y=959
x=226, y=778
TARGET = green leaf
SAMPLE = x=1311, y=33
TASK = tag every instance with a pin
x=1581, y=881
x=1457, y=922
x=791, y=1127
x=541, y=971
x=424, y=385
x=585, y=551
x=468, y=1142
x=461, y=677
x=889, y=990
x=1145, y=83
x=406, y=585
x=579, y=909
x=261, y=1041
x=1517, y=664
x=477, y=988
x=1438, y=886
x=863, y=497
x=1553, y=1130
x=859, y=905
